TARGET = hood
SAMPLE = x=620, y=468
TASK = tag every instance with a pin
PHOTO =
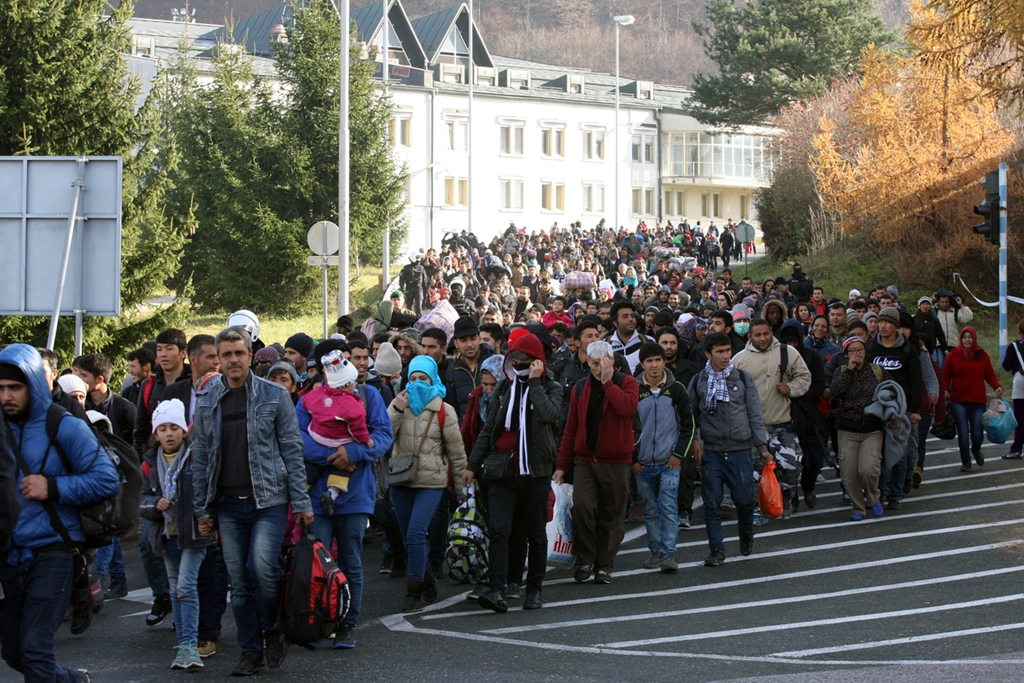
x=383, y=313
x=774, y=303
x=428, y=367
x=975, y=349
x=28, y=360
x=753, y=349
x=493, y=364
x=528, y=344
x=795, y=326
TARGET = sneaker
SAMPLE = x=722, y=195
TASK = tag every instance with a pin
x=787, y=513
x=192, y=658
x=759, y=519
x=602, y=577
x=179, y=658
x=532, y=600
x=387, y=564
x=965, y=468
x=206, y=648
x=810, y=499
x=161, y=608
x=513, y=591
x=856, y=517
x=908, y=485
x=493, y=600
x=876, y=509
x=275, y=648
x=477, y=591
x=895, y=504
x=715, y=559
x=684, y=520
x=917, y=477
x=746, y=543
x=980, y=459
x=669, y=565
x=583, y=572
x=652, y=562
x=344, y=639
x=327, y=501
x=1013, y=456
x=118, y=588
x=726, y=511
x=249, y=664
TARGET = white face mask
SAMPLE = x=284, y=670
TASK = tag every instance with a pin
x=521, y=373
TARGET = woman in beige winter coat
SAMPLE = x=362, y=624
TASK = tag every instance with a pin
x=417, y=415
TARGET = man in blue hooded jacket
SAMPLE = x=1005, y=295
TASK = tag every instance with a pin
x=36, y=564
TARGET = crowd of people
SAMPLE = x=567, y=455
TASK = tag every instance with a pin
x=620, y=362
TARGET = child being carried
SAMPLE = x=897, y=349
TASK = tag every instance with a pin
x=337, y=417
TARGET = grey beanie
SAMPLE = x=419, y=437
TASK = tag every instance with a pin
x=892, y=289
x=388, y=361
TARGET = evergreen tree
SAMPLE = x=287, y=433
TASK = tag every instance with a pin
x=65, y=90
x=771, y=53
x=309, y=66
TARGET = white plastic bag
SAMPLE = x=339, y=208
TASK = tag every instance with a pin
x=561, y=549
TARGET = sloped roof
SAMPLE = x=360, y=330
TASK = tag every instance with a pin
x=369, y=20
x=433, y=28
x=254, y=31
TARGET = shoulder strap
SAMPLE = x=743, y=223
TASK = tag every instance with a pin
x=55, y=520
x=147, y=391
x=1020, y=361
x=877, y=370
x=54, y=414
x=423, y=439
x=783, y=363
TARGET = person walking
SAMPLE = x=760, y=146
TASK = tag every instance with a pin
x=967, y=369
x=1013, y=362
x=435, y=442
x=247, y=468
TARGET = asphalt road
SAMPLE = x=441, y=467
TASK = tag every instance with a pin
x=931, y=593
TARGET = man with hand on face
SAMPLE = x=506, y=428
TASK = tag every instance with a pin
x=728, y=413
x=243, y=487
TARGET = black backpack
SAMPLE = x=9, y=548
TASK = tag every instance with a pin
x=315, y=595
x=118, y=514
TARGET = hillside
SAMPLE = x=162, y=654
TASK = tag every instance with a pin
x=661, y=46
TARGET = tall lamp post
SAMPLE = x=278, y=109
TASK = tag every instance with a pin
x=622, y=20
x=386, y=260
x=344, y=11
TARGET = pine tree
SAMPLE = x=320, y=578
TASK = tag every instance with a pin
x=772, y=53
x=65, y=90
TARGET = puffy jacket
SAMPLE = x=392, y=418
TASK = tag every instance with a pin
x=666, y=421
x=438, y=450
x=766, y=369
x=735, y=425
x=10, y=501
x=275, y=446
x=93, y=477
x=965, y=373
x=615, y=437
x=544, y=410
x=362, y=485
x=950, y=321
x=183, y=511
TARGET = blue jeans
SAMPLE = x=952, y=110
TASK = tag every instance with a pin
x=969, y=430
x=659, y=486
x=348, y=531
x=110, y=560
x=38, y=595
x=183, y=576
x=735, y=469
x=415, y=509
x=251, y=540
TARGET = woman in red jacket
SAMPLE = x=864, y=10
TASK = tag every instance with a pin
x=967, y=369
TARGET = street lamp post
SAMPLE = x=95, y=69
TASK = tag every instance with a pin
x=622, y=20
x=344, y=10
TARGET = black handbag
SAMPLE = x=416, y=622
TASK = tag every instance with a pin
x=945, y=430
x=498, y=466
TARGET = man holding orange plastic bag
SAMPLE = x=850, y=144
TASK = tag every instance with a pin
x=728, y=414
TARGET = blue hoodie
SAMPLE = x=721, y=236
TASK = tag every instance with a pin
x=95, y=477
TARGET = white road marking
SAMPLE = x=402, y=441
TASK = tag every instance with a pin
x=851, y=525
x=901, y=641
x=818, y=622
x=746, y=581
x=139, y=595
x=757, y=603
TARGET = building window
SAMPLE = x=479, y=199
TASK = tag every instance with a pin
x=458, y=135
x=456, y=191
x=512, y=139
x=744, y=207
x=511, y=191
x=552, y=142
x=638, y=198
x=552, y=196
x=636, y=152
x=704, y=205
x=668, y=203
x=680, y=203
x=401, y=131
x=719, y=156
x=593, y=145
x=648, y=149
x=593, y=198
x=649, y=208
x=716, y=205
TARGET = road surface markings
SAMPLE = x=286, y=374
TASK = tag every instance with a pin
x=901, y=641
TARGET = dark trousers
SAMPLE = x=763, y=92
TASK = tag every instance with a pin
x=813, y=460
x=437, y=535
x=687, y=484
x=520, y=502
x=38, y=595
x=1018, y=434
x=213, y=593
x=599, y=494
x=156, y=572
x=384, y=511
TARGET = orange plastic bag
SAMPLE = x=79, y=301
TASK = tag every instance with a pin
x=769, y=495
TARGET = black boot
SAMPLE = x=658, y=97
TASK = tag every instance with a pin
x=400, y=566
x=413, y=596
x=429, y=587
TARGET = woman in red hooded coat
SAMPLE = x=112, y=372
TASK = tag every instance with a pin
x=967, y=369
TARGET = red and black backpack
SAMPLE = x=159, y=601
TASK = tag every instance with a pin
x=316, y=593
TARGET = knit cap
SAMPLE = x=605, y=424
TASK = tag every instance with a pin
x=890, y=313
x=170, y=412
x=388, y=361
x=302, y=343
x=338, y=371
x=73, y=384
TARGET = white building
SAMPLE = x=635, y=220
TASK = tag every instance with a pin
x=543, y=139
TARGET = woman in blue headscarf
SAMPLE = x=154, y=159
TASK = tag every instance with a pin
x=428, y=428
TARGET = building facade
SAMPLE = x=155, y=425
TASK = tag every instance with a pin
x=537, y=144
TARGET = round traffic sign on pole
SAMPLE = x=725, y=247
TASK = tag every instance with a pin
x=745, y=232
x=324, y=238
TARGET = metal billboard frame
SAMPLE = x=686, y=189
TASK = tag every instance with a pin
x=46, y=205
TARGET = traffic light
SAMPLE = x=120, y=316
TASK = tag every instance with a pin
x=989, y=209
